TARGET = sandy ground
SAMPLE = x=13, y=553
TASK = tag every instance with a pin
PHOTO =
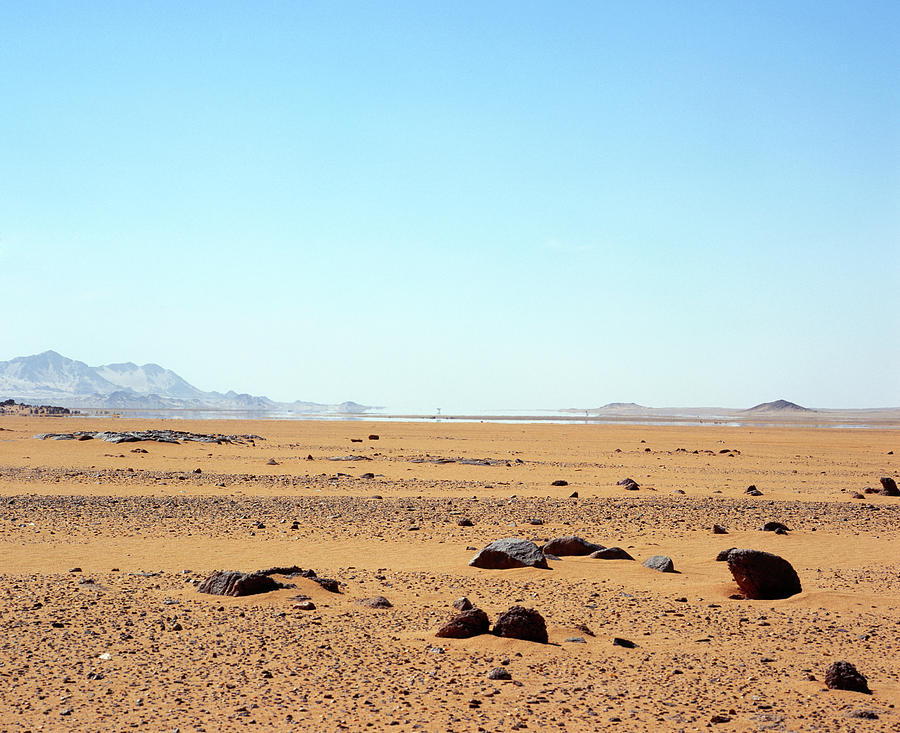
x=128, y=643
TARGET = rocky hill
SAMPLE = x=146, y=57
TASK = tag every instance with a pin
x=51, y=377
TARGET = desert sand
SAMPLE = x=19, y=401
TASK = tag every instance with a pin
x=102, y=548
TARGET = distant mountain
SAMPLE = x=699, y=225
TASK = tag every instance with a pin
x=778, y=406
x=52, y=377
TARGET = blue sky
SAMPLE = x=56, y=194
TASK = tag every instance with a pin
x=468, y=205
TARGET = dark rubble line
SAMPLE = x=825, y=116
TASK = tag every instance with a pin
x=159, y=436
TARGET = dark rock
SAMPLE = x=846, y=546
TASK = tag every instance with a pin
x=375, y=602
x=663, y=563
x=368, y=475
x=305, y=606
x=329, y=584
x=511, y=552
x=462, y=604
x=234, y=583
x=522, y=623
x=863, y=714
x=889, y=486
x=723, y=555
x=464, y=522
x=870, y=490
x=373, y=437
x=560, y=482
x=762, y=575
x=356, y=440
x=780, y=530
x=844, y=676
x=74, y=570
x=611, y=553
x=753, y=491
x=575, y=640
x=272, y=462
x=535, y=521
x=573, y=495
x=629, y=484
x=465, y=625
x=774, y=527
x=570, y=545
x=499, y=673
x=618, y=641
x=719, y=529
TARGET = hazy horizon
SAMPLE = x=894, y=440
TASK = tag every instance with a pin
x=514, y=205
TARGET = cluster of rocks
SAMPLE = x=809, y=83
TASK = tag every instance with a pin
x=516, y=623
x=11, y=407
x=159, y=436
x=514, y=552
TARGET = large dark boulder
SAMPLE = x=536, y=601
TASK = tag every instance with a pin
x=569, y=545
x=511, y=552
x=465, y=625
x=522, y=623
x=762, y=575
x=889, y=486
x=234, y=583
x=844, y=676
x=611, y=553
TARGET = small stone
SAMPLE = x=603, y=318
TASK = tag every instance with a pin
x=618, y=641
x=863, y=714
x=611, y=553
x=74, y=570
x=662, y=563
x=462, y=604
x=499, y=673
x=375, y=602
x=573, y=495
x=570, y=545
x=576, y=640
x=305, y=606
x=560, y=482
x=464, y=522
x=272, y=462
x=719, y=529
x=465, y=625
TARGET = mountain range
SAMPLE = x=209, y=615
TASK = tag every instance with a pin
x=51, y=377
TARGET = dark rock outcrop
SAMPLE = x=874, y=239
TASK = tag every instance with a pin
x=774, y=527
x=234, y=583
x=844, y=676
x=570, y=545
x=522, y=623
x=762, y=575
x=511, y=552
x=465, y=625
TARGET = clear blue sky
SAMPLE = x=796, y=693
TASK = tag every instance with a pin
x=461, y=204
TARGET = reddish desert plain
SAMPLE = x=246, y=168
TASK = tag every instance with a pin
x=128, y=643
